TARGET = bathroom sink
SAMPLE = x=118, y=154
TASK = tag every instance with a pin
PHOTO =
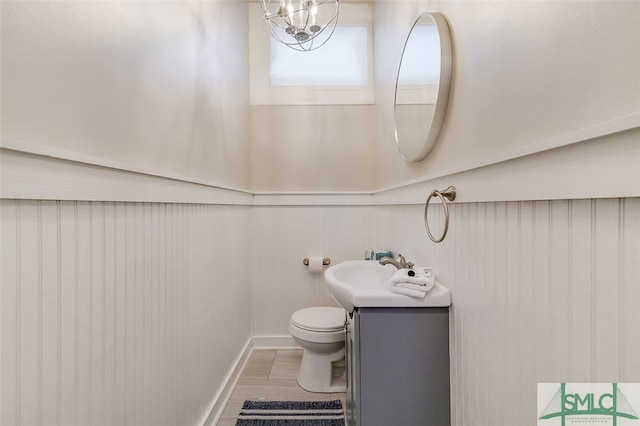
x=365, y=283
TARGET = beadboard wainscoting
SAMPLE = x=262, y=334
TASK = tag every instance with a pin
x=543, y=291
x=116, y=313
x=282, y=237
x=120, y=313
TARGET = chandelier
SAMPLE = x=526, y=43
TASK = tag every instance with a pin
x=301, y=24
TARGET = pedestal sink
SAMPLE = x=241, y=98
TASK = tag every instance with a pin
x=365, y=283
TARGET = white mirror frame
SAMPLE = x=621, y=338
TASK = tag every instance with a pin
x=414, y=154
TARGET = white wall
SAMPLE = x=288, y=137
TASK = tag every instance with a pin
x=542, y=292
x=115, y=311
x=540, y=288
x=159, y=85
x=120, y=313
x=507, y=285
x=282, y=237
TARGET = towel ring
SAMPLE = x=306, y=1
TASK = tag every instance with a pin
x=447, y=194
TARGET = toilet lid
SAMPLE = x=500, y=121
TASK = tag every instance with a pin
x=319, y=318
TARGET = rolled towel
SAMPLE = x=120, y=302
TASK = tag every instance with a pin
x=420, y=276
x=413, y=282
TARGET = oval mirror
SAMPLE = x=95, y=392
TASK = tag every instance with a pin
x=422, y=86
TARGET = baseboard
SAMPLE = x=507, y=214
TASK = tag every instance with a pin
x=274, y=342
x=220, y=400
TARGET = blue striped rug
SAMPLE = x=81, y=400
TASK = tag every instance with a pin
x=291, y=413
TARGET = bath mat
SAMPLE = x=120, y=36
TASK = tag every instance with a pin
x=291, y=413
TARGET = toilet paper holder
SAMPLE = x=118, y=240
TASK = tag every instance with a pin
x=325, y=261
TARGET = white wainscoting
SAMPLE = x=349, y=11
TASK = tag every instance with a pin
x=120, y=313
x=134, y=312
x=127, y=312
x=543, y=291
x=281, y=238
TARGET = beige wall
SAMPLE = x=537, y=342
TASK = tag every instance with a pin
x=523, y=72
x=159, y=85
x=313, y=148
x=164, y=86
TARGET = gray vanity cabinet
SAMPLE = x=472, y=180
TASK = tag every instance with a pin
x=398, y=367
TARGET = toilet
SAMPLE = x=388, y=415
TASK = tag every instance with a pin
x=321, y=333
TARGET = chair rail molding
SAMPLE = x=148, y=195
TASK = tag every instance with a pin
x=599, y=161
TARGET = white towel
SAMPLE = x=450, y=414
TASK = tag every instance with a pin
x=418, y=285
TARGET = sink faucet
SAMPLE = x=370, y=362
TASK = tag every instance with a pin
x=400, y=263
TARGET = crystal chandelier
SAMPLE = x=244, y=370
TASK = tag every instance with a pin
x=301, y=24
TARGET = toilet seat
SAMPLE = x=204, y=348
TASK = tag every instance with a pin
x=319, y=319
